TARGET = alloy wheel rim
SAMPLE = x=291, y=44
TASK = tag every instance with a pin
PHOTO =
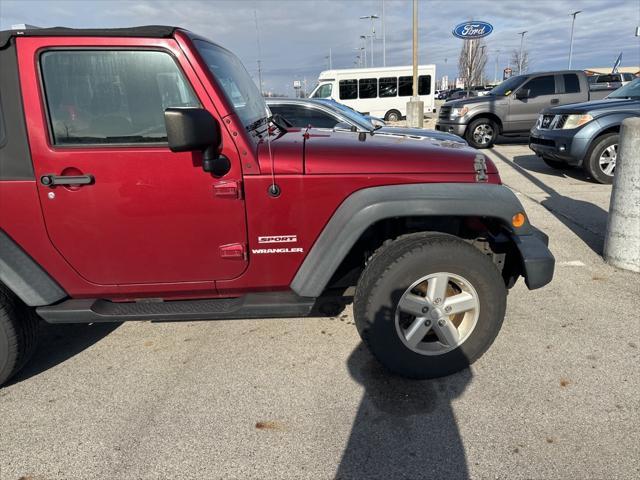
x=607, y=160
x=483, y=134
x=437, y=313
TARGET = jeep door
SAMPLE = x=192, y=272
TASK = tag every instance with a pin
x=523, y=112
x=134, y=212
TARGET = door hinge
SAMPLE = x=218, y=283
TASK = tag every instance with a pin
x=233, y=251
x=480, y=166
x=228, y=189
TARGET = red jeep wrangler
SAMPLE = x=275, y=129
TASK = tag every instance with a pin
x=142, y=178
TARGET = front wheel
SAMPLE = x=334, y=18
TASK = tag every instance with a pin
x=482, y=133
x=429, y=305
x=393, y=116
x=600, y=164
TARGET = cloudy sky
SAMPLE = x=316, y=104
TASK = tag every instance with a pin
x=296, y=35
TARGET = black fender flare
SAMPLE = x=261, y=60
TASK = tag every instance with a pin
x=24, y=277
x=368, y=206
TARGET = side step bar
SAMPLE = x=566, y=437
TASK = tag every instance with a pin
x=254, y=305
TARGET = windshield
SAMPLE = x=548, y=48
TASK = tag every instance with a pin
x=630, y=90
x=508, y=86
x=350, y=113
x=238, y=86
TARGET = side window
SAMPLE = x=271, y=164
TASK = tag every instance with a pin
x=571, y=83
x=608, y=79
x=324, y=91
x=112, y=96
x=368, y=87
x=405, y=86
x=319, y=119
x=424, y=84
x=348, y=89
x=388, y=87
x=545, y=85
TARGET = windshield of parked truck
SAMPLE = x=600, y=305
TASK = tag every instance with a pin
x=630, y=90
x=238, y=86
x=508, y=86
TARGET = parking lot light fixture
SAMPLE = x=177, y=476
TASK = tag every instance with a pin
x=373, y=18
x=573, y=21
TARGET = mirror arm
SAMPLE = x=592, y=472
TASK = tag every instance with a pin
x=215, y=163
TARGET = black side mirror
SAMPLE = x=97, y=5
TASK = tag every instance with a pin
x=195, y=129
x=523, y=93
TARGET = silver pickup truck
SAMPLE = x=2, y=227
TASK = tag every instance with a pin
x=512, y=107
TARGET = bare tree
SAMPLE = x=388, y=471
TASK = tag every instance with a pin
x=516, y=60
x=472, y=61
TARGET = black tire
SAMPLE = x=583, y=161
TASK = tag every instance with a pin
x=555, y=164
x=18, y=335
x=393, y=116
x=393, y=269
x=591, y=164
x=485, y=123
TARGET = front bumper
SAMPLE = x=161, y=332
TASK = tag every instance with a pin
x=538, y=263
x=451, y=127
x=561, y=145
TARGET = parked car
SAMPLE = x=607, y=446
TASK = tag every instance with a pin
x=141, y=178
x=610, y=81
x=586, y=134
x=323, y=113
x=512, y=107
x=460, y=94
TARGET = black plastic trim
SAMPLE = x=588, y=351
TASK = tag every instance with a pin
x=255, y=305
x=15, y=155
x=24, y=277
x=365, y=207
x=538, y=263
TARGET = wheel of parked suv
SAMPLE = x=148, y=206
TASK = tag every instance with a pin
x=481, y=133
x=600, y=163
x=393, y=116
x=18, y=335
x=557, y=164
x=429, y=305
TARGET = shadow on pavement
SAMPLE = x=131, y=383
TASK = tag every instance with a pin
x=58, y=343
x=579, y=216
x=537, y=165
x=404, y=429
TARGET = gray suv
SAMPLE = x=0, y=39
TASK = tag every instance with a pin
x=586, y=134
x=512, y=107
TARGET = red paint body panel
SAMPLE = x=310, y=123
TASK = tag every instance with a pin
x=151, y=216
x=153, y=223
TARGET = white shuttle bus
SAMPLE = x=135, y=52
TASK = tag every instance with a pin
x=380, y=92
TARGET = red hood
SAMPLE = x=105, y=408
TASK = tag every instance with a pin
x=328, y=152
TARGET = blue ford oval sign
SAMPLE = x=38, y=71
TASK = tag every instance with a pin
x=472, y=29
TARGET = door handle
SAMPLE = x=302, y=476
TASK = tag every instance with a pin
x=554, y=101
x=54, y=180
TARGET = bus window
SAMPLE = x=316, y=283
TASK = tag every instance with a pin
x=424, y=84
x=388, y=87
x=405, y=86
x=368, y=87
x=348, y=89
x=323, y=91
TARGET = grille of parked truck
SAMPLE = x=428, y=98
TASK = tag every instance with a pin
x=142, y=177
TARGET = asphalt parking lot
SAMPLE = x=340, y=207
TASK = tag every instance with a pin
x=556, y=397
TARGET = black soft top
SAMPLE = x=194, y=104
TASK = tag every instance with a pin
x=148, y=31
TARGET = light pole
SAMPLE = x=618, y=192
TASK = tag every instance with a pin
x=415, y=108
x=364, y=47
x=520, y=57
x=495, y=72
x=384, y=40
x=573, y=21
x=482, y=47
x=373, y=30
